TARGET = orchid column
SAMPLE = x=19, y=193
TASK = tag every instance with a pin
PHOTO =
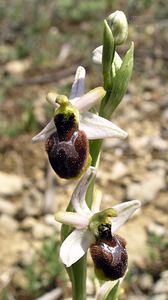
x=73, y=141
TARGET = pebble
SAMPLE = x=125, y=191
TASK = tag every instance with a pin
x=159, y=297
x=28, y=223
x=27, y=257
x=147, y=189
x=161, y=286
x=145, y=282
x=159, y=144
x=11, y=184
x=118, y=171
x=41, y=231
x=137, y=297
x=7, y=223
x=156, y=229
x=33, y=203
x=16, y=67
x=7, y=207
x=139, y=144
x=165, y=115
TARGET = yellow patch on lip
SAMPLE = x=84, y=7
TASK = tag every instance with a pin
x=66, y=108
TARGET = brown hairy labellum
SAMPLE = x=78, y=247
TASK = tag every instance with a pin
x=109, y=256
x=67, y=148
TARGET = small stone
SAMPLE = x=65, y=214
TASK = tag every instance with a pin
x=8, y=224
x=11, y=184
x=147, y=190
x=7, y=207
x=134, y=297
x=28, y=223
x=157, y=143
x=27, y=257
x=159, y=297
x=165, y=115
x=16, y=67
x=118, y=171
x=145, y=282
x=41, y=231
x=161, y=286
x=139, y=144
x=156, y=229
x=33, y=203
x=20, y=280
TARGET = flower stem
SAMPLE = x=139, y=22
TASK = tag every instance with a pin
x=79, y=282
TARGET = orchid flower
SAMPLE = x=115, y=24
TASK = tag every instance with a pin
x=94, y=126
x=86, y=221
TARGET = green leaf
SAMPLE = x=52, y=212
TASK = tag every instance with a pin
x=120, y=83
x=108, y=55
x=113, y=294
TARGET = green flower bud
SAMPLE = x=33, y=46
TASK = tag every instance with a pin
x=119, y=26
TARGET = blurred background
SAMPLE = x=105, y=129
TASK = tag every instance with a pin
x=41, y=44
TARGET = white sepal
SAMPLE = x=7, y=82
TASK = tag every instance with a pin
x=75, y=246
x=78, y=84
x=45, y=132
x=97, y=127
x=124, y=211
x=78, y=196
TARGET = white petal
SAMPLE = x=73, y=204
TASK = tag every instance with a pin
x=97, y=127
x=79, y=83
x=73, y=219
x=124, y=211
x=45, y=132
x=78, y=196
x=75, y=246
x=88, y=100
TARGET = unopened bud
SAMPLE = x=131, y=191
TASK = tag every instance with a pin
x=119, y=26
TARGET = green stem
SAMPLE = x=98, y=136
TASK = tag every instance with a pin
x=79, y=282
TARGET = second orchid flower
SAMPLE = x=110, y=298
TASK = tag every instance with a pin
x=67, y=134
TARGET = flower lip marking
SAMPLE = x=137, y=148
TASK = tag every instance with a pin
x=109, y=255
x=67, y=147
